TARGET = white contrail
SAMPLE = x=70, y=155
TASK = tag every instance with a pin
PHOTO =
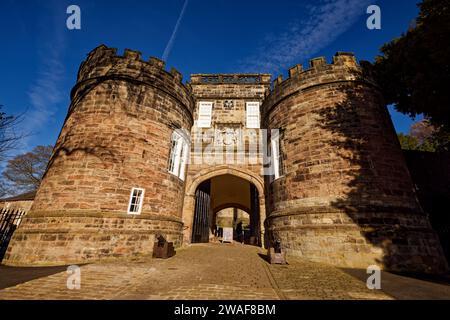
x=174, y=33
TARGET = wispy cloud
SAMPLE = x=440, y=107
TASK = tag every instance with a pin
x=46, y=90
x=327, y=20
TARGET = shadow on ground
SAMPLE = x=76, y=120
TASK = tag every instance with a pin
x=12, y=276
x=409, y=286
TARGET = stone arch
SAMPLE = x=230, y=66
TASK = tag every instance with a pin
x=231, y=205
x=208, y=173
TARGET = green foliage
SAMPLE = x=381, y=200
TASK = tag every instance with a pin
x=441, y=140
x=414, y=70
x=424, y=137
x=407, y=142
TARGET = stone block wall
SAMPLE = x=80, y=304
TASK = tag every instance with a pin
x=346, y=197
x=222, y=89
x=117, y=136
x=229, y=94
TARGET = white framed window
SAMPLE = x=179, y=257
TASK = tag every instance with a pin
x=136, y=200
x=179, y=153
x=252, y=111
x=183, y=160
x=204, y=114
x=175, y=151
x=276, y=156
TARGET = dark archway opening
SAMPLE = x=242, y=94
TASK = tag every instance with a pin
x=227, y=209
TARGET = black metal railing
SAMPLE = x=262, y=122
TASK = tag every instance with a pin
x=9, y=221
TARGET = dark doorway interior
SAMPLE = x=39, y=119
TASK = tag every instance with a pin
x=218, y=203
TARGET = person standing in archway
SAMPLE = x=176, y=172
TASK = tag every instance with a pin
x=240, y=232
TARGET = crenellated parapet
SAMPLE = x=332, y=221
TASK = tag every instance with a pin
x=104, y=63
x=340, y=191
x=343, y=68
x=115, y=143
x=345, y=196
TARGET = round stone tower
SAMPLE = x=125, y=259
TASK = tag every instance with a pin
x=117, y=136
x=345, y=196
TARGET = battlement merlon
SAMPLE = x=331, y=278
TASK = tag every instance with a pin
x=343, y=68
x=103, y=56
x=104, y=63
x=104, y=59
x=316, y=65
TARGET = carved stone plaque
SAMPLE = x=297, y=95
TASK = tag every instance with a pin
x=228, y=104
x=228, y=135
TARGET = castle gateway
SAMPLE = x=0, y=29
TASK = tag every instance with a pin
x=312, y=160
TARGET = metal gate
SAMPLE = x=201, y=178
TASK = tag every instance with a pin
x=254, y=215
x=9, y=222
x=202, y=215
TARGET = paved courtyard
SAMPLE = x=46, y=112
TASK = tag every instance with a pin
x=211, y=271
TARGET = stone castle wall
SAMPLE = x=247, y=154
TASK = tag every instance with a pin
x=117, y=136
x=238, y=90
x=346, y=197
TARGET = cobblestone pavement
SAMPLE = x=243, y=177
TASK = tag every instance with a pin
x=302, y=279
x=209, y=271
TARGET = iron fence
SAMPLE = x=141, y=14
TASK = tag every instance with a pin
x=9, y=221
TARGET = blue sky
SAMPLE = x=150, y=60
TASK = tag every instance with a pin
x=40, y=56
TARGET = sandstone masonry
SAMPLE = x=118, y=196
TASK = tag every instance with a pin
x=344, y=195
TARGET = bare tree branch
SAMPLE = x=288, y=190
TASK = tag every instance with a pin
x=25, y=171
x=9, y=135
